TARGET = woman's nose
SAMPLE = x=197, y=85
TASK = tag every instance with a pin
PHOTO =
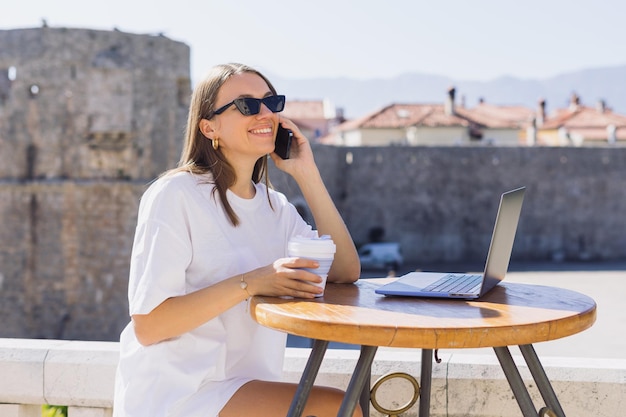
x=264, y=111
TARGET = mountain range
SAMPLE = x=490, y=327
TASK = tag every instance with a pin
x=358, y=97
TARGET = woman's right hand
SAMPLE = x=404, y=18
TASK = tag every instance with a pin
x=285, y=277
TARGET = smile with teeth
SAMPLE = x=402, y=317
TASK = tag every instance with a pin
x=261, y=131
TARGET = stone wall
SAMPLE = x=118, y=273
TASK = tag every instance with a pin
x=65, y=244
x=87, y=118
x=440, y=203
x=64, y=250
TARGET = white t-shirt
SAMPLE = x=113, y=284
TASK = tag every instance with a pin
x=185, y=242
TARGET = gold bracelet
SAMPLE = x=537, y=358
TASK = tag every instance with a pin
x=244, y=285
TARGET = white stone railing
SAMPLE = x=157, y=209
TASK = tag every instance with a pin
x=81, y=375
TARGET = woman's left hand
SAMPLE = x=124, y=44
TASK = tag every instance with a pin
x=302, y=167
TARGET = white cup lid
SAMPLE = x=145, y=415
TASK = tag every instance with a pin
x=322, y=245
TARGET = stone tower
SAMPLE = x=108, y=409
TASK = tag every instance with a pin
x=86, y=104
x=87, y=119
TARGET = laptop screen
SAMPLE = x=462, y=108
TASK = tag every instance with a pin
x=502, y=239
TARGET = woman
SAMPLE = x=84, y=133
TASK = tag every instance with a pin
x=209, y=235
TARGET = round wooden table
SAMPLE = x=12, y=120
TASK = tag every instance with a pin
x=510, y=314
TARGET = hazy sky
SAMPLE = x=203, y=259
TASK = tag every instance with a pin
x=463, y=39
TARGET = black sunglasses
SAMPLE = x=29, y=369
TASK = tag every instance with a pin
x=249, y=106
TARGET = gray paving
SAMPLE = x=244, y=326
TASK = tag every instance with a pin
x=607, y=337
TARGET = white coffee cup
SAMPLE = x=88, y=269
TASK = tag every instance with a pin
x=321, y=249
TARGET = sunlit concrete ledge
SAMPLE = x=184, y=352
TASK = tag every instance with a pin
x=81, y=375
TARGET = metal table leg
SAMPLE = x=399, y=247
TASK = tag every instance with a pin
x=541, y=379
x=515, y=381
x=426, y=378
x=364, y=400
x=357, y=382
x=308, y=378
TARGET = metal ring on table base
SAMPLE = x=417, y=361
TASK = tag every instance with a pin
x=387, y=377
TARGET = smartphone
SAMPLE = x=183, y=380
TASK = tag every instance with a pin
x=282, y=145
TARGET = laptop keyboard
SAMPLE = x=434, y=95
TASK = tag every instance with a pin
x=455, y=283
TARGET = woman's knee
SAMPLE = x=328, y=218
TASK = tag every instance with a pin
x=331, y=398
x=274, y=398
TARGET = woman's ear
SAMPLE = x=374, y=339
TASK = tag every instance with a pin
x=206, y=127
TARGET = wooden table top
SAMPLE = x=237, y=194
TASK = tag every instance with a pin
x=510, y=314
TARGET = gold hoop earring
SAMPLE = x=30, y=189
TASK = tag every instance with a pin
x=216, y=143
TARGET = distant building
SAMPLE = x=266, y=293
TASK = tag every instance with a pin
x=443, y=124
x=314, y=118
x=499, y=125
x=577, y=125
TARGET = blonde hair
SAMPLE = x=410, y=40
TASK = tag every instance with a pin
x=198, y=155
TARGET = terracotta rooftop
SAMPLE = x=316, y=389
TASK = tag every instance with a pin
x=583, y=117
x=434, y=115
x=404, y=115
x=590, y=123
x=493, y=116
x=302, y=110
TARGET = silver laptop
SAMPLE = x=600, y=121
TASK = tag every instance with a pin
x=469, y=286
